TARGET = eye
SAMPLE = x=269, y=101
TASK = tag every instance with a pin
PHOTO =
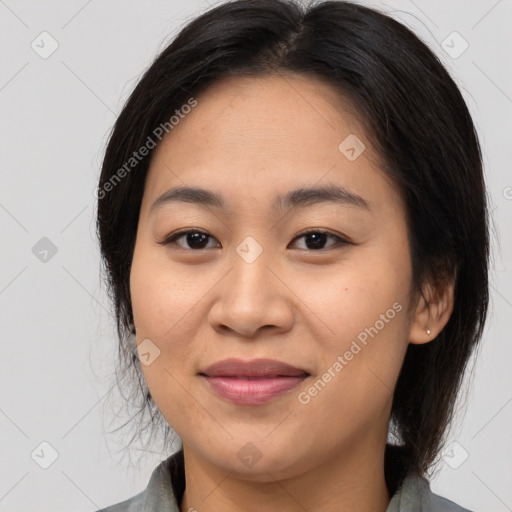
x=316, y=239
x=194, y=239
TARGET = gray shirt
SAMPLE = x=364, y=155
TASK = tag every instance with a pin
x=166, y=485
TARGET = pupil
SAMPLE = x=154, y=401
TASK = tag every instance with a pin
x=318, y=239
x=194, y=239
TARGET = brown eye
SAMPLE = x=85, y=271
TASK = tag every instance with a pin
x=194, y=239
x=316, y=239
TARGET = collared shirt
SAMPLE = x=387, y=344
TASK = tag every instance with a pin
x=167, y=483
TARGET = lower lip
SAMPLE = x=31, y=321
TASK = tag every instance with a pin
x=252, y=391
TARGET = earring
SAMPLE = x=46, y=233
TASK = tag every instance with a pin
x=428, y=332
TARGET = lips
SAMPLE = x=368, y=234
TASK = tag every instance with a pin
x=252, y=382
x=257, y=368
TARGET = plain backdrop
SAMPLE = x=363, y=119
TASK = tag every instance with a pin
x=58, y=342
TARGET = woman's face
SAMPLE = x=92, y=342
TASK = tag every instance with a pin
x=334, y=306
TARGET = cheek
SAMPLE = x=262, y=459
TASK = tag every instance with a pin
x=160, y=295
x=353, y=295
x=373, y=324
x=162, y=309
x=362, y=330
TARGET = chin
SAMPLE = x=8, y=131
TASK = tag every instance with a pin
x=256, y=460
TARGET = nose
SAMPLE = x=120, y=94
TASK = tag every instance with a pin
x=252, y=298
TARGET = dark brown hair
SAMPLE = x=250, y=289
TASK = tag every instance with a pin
x=415, y=117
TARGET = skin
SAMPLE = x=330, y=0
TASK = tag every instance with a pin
x=251, y=139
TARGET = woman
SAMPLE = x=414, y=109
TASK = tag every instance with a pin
x=293, y=220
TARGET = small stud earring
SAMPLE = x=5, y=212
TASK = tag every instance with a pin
x=428, y=332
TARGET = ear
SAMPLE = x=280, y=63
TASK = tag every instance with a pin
x=435, y=306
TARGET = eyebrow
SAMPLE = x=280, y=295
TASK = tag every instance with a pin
x=300, y=197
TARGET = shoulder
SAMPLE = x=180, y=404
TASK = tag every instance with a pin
x=415, y=495
x=443, y=505
x=163, y=492
x=133, y=504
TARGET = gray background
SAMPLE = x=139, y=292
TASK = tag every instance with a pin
x=58, y=343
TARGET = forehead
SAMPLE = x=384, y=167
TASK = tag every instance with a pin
x=268, y=107
x=261, y=136
x=286, y=114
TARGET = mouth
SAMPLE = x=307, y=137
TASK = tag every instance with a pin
x=252, y=382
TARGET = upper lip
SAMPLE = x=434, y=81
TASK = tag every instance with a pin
x=268, y=368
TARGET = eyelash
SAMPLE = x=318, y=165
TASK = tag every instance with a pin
x=171, y=240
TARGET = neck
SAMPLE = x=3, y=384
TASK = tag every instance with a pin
x=350, y=480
